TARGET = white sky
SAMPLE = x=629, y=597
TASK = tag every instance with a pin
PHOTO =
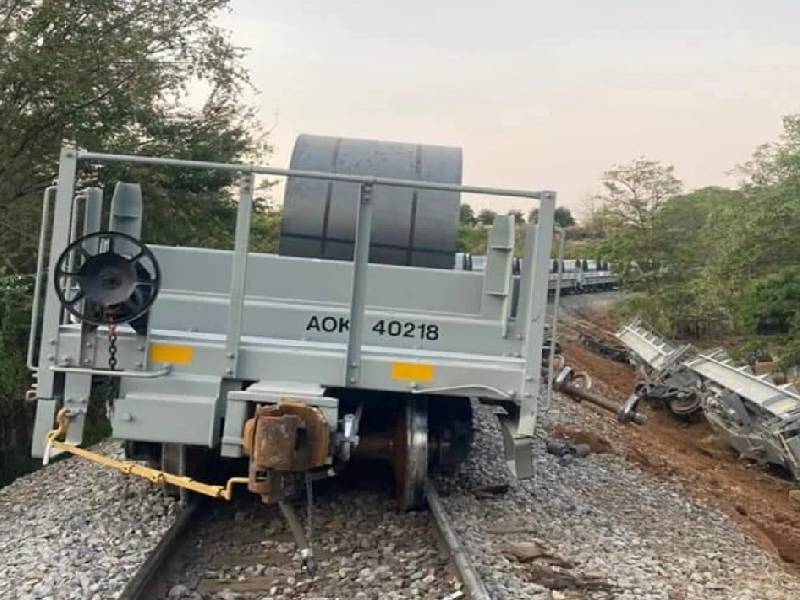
x=539, y=94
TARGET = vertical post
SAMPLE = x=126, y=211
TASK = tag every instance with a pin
x=45, y=409
x=47, y=201
x=125, y=214
x=562, y=235
x=93, y=214
x=358, y=297
x=538, y=282
x=496, y=300
x=92, y=223
x=239, y=273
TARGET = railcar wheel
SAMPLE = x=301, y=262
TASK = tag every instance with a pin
x=410, y=453
x=684, y=406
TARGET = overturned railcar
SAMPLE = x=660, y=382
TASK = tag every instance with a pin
x=359, y=339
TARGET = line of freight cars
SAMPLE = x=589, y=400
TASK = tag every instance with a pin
x=578, y=276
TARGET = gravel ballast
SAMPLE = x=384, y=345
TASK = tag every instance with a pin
x=365, y=549
x=591, y=526
x=74, y=530
x=599, y=527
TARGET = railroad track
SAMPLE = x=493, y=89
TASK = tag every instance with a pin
x=473, y=584
x=198, y=527
x=142, y=584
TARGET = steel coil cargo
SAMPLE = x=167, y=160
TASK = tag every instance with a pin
x=409, y=227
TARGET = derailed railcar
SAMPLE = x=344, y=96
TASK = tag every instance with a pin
x=362, y=341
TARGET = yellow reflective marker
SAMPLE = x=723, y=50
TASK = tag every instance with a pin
x=171, y=354
x=423, y=373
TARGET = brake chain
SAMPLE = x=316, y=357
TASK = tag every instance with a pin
x=112, y=345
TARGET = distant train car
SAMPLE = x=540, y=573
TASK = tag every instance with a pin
x=577, y=276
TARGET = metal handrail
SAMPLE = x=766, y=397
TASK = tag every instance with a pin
x=362, y=238
x=109, y=373
x=265, y=170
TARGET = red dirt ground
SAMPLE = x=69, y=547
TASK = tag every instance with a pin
x=689, y=453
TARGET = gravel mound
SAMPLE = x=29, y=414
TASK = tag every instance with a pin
x=77, y=530
x=599, y=527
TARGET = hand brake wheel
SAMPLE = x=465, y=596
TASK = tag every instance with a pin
x=115, y=275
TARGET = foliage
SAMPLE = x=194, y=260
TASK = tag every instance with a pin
x=15, y=414
x=771, y=304
x=474, y=231
x=15, y=301
x=518, y=215
x=466, y=215
x=113, y=75
x=189, y=207
x=634, y=195
x=486, y=216
x=634, y=192
x=563, y=217
x=107, y=75
x=265, y=231
x=472, y=239
x=714, y=261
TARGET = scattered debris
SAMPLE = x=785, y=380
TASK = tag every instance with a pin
x=578, y=385
x=526, y=551
x=562, y=579
x=491, y=491
x=557, y=447
x=581, y=450
x=693, y=454
x=605, y=348
x=752, y=413
x=669, y=382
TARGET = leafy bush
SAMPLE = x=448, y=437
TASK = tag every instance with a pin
x=15, y=414
x=770, y=304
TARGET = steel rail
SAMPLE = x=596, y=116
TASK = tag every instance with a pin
x=140, y=587
x=473, y=584
x=265, y=170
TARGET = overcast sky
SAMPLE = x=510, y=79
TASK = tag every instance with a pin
x=538, y=94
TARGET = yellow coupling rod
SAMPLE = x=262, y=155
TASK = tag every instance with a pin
x=131, y=468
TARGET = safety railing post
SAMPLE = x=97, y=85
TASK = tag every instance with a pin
x=48, y=351
x=51, y=320
x=47, y=201
x=239, y=273
x=536, y=297
x=358, y=298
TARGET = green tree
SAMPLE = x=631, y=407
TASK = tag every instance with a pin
x=107, y=75
x=111, y=75
x=633, y=196
x=771, y=304
x=486, y=216
x=716, y=261
x=466, y=215
x=519, y=216
x=634, y=192
x=472, y=239
x=563, y=217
